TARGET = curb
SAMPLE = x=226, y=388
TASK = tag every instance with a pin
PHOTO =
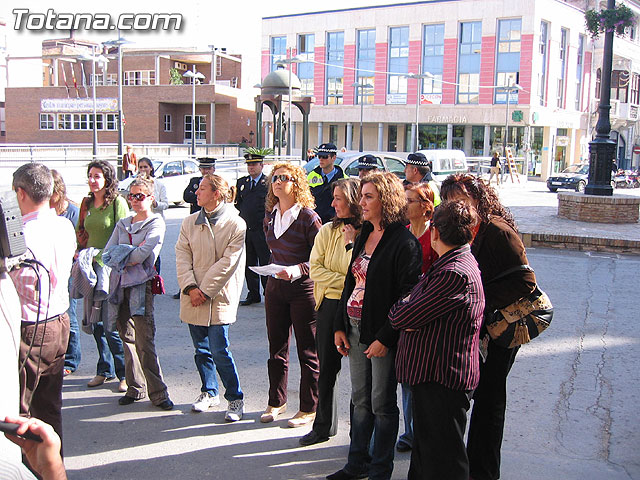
x=581, y=243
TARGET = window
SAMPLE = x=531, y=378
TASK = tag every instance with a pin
x=392, y=144
x=366, y=64
x=112, y=79
x=398, y=64
x=200, y=127
x=306, y=47
x=564, y=39
x=598, y=82
x=167, y=123
x=620, y=85
x=65, y=121
x=634, y=95
x=542, y=76
x=579, y=72
x=111, y=121
x=278, y=51
x=477, y=140
x=469, y=62
x=508, y=60
x=433, y=58
x=140, y=77
x=47, y=121
x=433, y=137
x=333, y=134
x=80, y=121
x=335, y=72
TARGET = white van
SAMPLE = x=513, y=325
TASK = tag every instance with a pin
x=445, y=162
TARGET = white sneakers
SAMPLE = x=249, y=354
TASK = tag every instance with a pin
x=204, y=402
x=234, y=411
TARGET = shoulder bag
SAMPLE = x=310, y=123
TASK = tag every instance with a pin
x=524, y=319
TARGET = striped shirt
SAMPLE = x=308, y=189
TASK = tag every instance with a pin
x=440, y=324
x=293, y=247
x=52, y=241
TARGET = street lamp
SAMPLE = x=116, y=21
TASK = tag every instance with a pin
x=359, y=87
x=119, y=43
x=93, y=59
x=510, y=88
x=282, y=63
x=193, y=76
x=417, y=76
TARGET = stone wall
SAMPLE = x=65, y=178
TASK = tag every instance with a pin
x=598, y=209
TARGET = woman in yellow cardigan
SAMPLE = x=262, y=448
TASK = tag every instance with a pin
x=329, y=261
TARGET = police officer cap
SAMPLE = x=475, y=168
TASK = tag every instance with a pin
x=327, y=149
x=367, y=162
x=253, y=157
x=206, y=162
x=417, y=159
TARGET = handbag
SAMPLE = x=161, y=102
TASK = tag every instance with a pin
x=523, y=320
x=157, y=282
x=82, y=236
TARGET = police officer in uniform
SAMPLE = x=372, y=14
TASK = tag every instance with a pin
x=206, y=165
x=367, y=164
x=418, y=170
x=250, y=199
x=321, y=178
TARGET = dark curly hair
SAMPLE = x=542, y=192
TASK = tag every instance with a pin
x=488, y=203
x=350, y=189
x=110, y=181
x=455, y=222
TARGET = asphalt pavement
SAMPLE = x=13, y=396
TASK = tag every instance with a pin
x=570, y=414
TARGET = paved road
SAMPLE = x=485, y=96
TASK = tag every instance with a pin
x=570, y=413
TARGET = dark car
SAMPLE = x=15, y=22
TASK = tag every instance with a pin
x=348, y=161
x=573, y=178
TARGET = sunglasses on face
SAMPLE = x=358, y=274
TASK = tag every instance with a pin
x=323, y=156
x=282, y=178
x=137, y=196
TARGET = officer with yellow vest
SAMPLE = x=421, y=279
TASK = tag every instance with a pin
x=321, y=178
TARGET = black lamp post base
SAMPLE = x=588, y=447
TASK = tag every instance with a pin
x=602, y=190
x=601, y=154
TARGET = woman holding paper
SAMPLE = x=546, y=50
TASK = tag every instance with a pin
x=291, y=229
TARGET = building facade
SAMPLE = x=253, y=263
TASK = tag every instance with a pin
x=156, y=97
x=487, y=67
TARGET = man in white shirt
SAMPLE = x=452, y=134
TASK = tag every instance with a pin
x=43, y=294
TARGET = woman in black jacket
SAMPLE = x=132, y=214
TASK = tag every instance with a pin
x=385, y=264
x=497, y=248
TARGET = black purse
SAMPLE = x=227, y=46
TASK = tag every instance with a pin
x=523, y=320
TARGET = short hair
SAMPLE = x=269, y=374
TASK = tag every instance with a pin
x=110, y=181
x=301, y=191
x=36, y=181
x=455, y=222
x=392, y=197
x=422, y=169
x=144, y=182
x=219, y=184
x=350, y=187
x=425, y=193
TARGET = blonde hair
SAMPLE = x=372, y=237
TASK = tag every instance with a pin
x=219, y=184
x=301, y=191
x=144, y=182
x=59, y=195
x=392, y=197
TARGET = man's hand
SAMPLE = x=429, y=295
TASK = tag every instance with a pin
x=44, y=457
x=342, y=344
x=197, y=297
x=376, y=349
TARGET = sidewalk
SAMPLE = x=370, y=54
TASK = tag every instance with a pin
x=536, y=211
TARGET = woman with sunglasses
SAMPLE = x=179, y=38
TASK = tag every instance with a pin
x=135, y=244
x=420, y=205
x=385, y=264
x=99, y=213
x=161, y=201
x=291, y=230
x=497, y=248
x=329, y=261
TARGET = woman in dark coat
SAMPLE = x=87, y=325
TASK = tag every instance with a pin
x=497, y=248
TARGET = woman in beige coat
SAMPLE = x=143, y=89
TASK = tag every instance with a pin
x=210, y=262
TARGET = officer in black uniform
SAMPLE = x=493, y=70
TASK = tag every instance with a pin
x=250, y=199
x=206, y=165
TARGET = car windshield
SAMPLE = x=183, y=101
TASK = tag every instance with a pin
x=582, y=169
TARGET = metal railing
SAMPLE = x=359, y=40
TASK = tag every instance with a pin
x=480, y=166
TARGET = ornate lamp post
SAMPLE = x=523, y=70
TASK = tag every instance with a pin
x=282, y=63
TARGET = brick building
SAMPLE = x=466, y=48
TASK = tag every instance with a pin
x=155, y=108
x=470, y=51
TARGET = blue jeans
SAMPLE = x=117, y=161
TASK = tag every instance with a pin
x=375, y=411
x=407, y=410
x=74, y=353
x=212, y=353
x=110, y=352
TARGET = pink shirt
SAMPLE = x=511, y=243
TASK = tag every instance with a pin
x=51, y=240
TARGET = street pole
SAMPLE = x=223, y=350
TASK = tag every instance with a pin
x=193, y=76
x=360, y=95
x=602, y=149
x=95, y=106
x=120, y=123
x=417, y=77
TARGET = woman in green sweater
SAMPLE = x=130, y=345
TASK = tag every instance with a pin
x=104, y=207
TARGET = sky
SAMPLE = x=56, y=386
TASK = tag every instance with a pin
x=234, y=24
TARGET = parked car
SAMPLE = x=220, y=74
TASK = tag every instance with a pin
x=574, y=177
x=174, y=175
x=348, y=161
